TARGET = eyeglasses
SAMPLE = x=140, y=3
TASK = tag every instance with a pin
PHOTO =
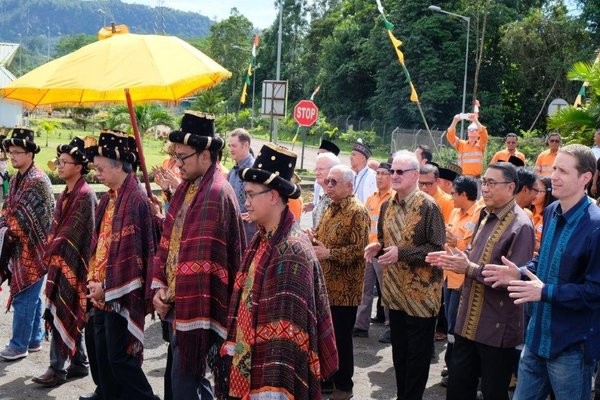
x=554, y=141
x=250, y=196
x=537, y=191
x=491, y=183
x=382, y=173
x=61, y=163
x=401, y=171
x=16, y=153
x=181, y=157
x=330, y=181
x=426, y=184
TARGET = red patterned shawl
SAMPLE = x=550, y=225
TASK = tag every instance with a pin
x=28, y=215
x=295, y=343
x=67, y=257
x=130, y=253
x=209, y=256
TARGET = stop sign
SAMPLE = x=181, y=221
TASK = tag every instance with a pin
x=306, y=113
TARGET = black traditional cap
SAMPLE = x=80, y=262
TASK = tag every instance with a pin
x=516, y=161
x=75, y=149
x=385, y=165
x=329, y=146
x=113, y=145
x=133, y=148
x=362, y=148
x=274, y=168
x=22, y=137
x=451, y=172
x=198, y=131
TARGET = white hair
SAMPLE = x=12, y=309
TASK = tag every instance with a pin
x=346, y=172
x=405, y=155
x=330, y=157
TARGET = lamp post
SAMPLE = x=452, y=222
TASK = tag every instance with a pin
x=464, y=18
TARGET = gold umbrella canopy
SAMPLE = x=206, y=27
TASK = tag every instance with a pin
x=151, y=67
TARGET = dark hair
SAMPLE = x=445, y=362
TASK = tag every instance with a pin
x=466, y=184
x=549, y=198
x=426, y=152
x=526, y=177
x=509, y=172
x=429, y=169
x=242, y=135
x=125, y=166
x=214, y=155
x=511, y=135
x=551, y=134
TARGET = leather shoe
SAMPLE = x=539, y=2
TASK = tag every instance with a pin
x=77, y=371
x=49, y=379
x=90, y=396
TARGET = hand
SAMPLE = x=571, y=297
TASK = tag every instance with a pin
x=525, y=291
x=160, y=178
x=371, y=251
x=96, y=293
x=310, y=232
x=451, y=238
x=162, y=308
x=155, y=206
x=323, y=253
x=245, y=217
x=456, y=119
x=501, y=275
x=451, y=259
x=173, y=178
x=308, y=207
x=389, y=256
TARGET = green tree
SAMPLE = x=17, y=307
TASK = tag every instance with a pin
x=229, y=44
x=69, y=43
x=147, y=115
x=209, y=101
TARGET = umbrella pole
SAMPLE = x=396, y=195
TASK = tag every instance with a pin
x=138, y=141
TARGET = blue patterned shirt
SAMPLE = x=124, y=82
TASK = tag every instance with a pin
x=568, y=315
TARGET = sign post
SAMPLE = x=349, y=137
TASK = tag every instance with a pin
x=306, y=114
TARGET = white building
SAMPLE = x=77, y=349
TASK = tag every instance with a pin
x=11, y=113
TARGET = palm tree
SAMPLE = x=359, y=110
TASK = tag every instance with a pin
x=147, y=115
x=579, y=123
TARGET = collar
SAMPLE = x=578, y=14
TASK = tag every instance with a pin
x=502, y=212
x=245, y=163
x=342, y=203
x=471, y=209
x=568, y=216
x=388, y=192
x=407, y=199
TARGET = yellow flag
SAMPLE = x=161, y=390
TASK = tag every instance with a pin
x=244, y=93
x=397, y=45
x=414, y=97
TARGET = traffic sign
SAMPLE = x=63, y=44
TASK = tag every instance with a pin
x=306, y=113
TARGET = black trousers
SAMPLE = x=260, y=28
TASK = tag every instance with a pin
x=120, y=375
x=91, y=352
x=471, y=360
x=344, y=318
x=411, y=352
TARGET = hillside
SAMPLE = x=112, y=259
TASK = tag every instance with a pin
x=23, y=20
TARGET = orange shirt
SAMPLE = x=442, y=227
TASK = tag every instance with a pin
x=445, y=203
x=544, y=162
x=373, y=205
x=470, y=157
x=295, y=206
x=462, y=224
x=538, y=223
x=505, y=155
x=99, y=259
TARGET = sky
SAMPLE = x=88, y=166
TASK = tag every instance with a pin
x=262, y=13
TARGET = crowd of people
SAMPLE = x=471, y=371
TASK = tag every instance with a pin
x=254, y=307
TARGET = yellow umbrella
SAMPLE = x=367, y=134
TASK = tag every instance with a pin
x=122, y=67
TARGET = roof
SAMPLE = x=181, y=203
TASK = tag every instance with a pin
x=7, y=52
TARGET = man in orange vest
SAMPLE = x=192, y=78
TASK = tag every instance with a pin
x=544, y=162
x=511, y=142
x=471, y=151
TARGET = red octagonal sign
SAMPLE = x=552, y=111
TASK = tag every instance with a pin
x=306, y=113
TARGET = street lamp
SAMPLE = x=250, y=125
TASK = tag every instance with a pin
x=438, y=9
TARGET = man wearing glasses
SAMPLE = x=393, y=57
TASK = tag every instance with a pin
x=339, y=242
x=198, y=255
x=24, y=223
x=544, y=162
x=470, y=151
x=488, y=325
x=511, y=140
x=410, y=226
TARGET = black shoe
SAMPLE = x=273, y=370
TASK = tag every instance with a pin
x=444, y=381
x=49, y=379
x=377, y=320
x=444, y=371
x=360, y=333
x=77, y=371
x=90, y=396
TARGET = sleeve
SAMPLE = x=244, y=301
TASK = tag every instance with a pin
x=483, y=137
x=538, y=164
x=584, y=295
x=451, y=136
x=435, y=237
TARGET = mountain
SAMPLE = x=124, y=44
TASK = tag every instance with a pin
x=22, y=20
